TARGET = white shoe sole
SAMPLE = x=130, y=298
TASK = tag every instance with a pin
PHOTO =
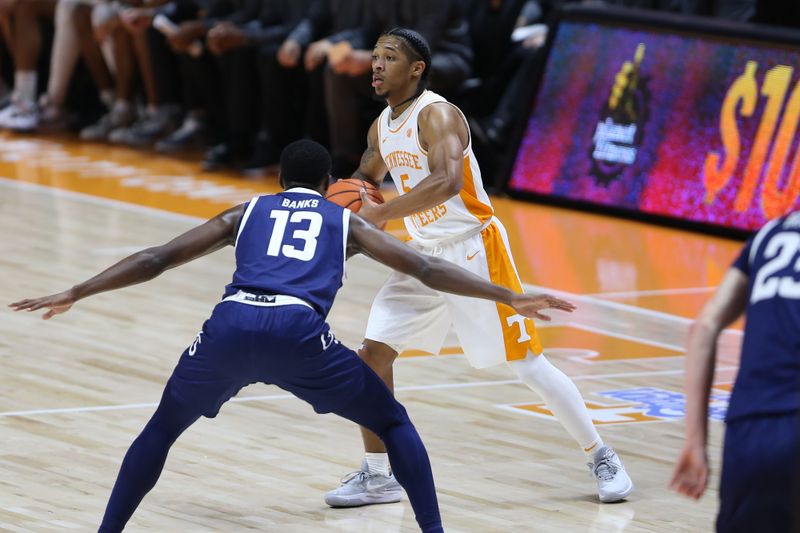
x=619, y=496
x=359, y=500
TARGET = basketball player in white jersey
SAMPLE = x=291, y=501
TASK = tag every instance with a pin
x=424, y=142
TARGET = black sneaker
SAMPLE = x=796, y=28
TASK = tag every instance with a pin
x=220, y=157
x=189, y=135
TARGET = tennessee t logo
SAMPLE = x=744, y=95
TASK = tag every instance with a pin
x=519, y=320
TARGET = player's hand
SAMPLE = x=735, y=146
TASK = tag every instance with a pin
x=355, y=63
x=530, y=304
x=370, y=210
x=224, y=37
x=55, y=303
x=317, y=53
x=690, y=477
x=289, y=53
x=188, y=32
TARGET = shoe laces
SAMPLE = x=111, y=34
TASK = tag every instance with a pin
x=605, y=468
x=358, y=475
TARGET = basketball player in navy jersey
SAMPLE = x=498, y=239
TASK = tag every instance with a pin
x=270, y=326
x=762, y=436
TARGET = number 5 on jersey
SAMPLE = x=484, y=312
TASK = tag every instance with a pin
x=308, y=235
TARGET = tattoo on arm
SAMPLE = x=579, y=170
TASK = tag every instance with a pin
x=367, y=159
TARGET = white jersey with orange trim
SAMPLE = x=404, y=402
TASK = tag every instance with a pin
x=398, y=141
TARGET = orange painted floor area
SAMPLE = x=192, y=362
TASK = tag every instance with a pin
x=643, y=265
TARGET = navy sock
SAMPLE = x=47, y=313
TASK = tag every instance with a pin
x=144, y=461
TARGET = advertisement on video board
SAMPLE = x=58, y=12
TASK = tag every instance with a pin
x=692, y=127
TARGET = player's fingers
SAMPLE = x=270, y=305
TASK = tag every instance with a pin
x=540, y=316
x=20, y=305
x=677, y=482
x=562, y=305
x=365, y=198
x=683, y=486
x=38, y=304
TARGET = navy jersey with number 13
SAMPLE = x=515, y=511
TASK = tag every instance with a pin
x=292, y=243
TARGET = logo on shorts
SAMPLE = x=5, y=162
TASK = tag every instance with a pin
x=193, y=347
x=328, y=340
x=471, y=257
x=519, y=320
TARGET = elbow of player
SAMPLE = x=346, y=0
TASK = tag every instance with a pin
x=704, y=326
x=452, y=186
x=425, y=270
x=152, y=262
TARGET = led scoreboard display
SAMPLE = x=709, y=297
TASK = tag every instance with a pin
x=665, y=120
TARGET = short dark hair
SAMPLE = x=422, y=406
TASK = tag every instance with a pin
x=417, y=47
x=305, y=162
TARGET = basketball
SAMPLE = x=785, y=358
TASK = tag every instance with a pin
x=346, y=193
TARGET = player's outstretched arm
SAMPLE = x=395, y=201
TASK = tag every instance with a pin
x=372, y=167
x=145, y=265
x=447, y=135
x=442, y=275
x=690, y=476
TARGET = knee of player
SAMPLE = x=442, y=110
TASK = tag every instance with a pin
x=378, y=356
x=394, y=422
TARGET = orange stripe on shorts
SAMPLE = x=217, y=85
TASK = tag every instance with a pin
x=519, y=334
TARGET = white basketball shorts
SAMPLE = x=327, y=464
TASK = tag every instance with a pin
x=408, y=314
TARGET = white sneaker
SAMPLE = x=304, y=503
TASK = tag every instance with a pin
x=365, y=488
x=20, y=116
x=613, y=482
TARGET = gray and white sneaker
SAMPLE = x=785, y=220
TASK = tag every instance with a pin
x=365, y=488
x=119, y=117
x=21, y=115
x=613, y=482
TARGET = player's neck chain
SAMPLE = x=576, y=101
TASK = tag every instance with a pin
x=395, y=112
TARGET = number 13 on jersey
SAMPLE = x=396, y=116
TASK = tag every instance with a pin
x=308, y=234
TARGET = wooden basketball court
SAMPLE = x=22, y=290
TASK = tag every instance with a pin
x=76, y=390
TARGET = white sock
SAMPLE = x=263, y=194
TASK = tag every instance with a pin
x=378, y=463
x=592, y=448
x=25, y=85
x=562, y=398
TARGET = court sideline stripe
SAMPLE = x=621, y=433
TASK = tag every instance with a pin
x=271, y=397
x=11, y=183
x=654, y=292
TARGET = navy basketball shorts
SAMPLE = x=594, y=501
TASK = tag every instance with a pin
x=759, y=474
x=290, y=346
